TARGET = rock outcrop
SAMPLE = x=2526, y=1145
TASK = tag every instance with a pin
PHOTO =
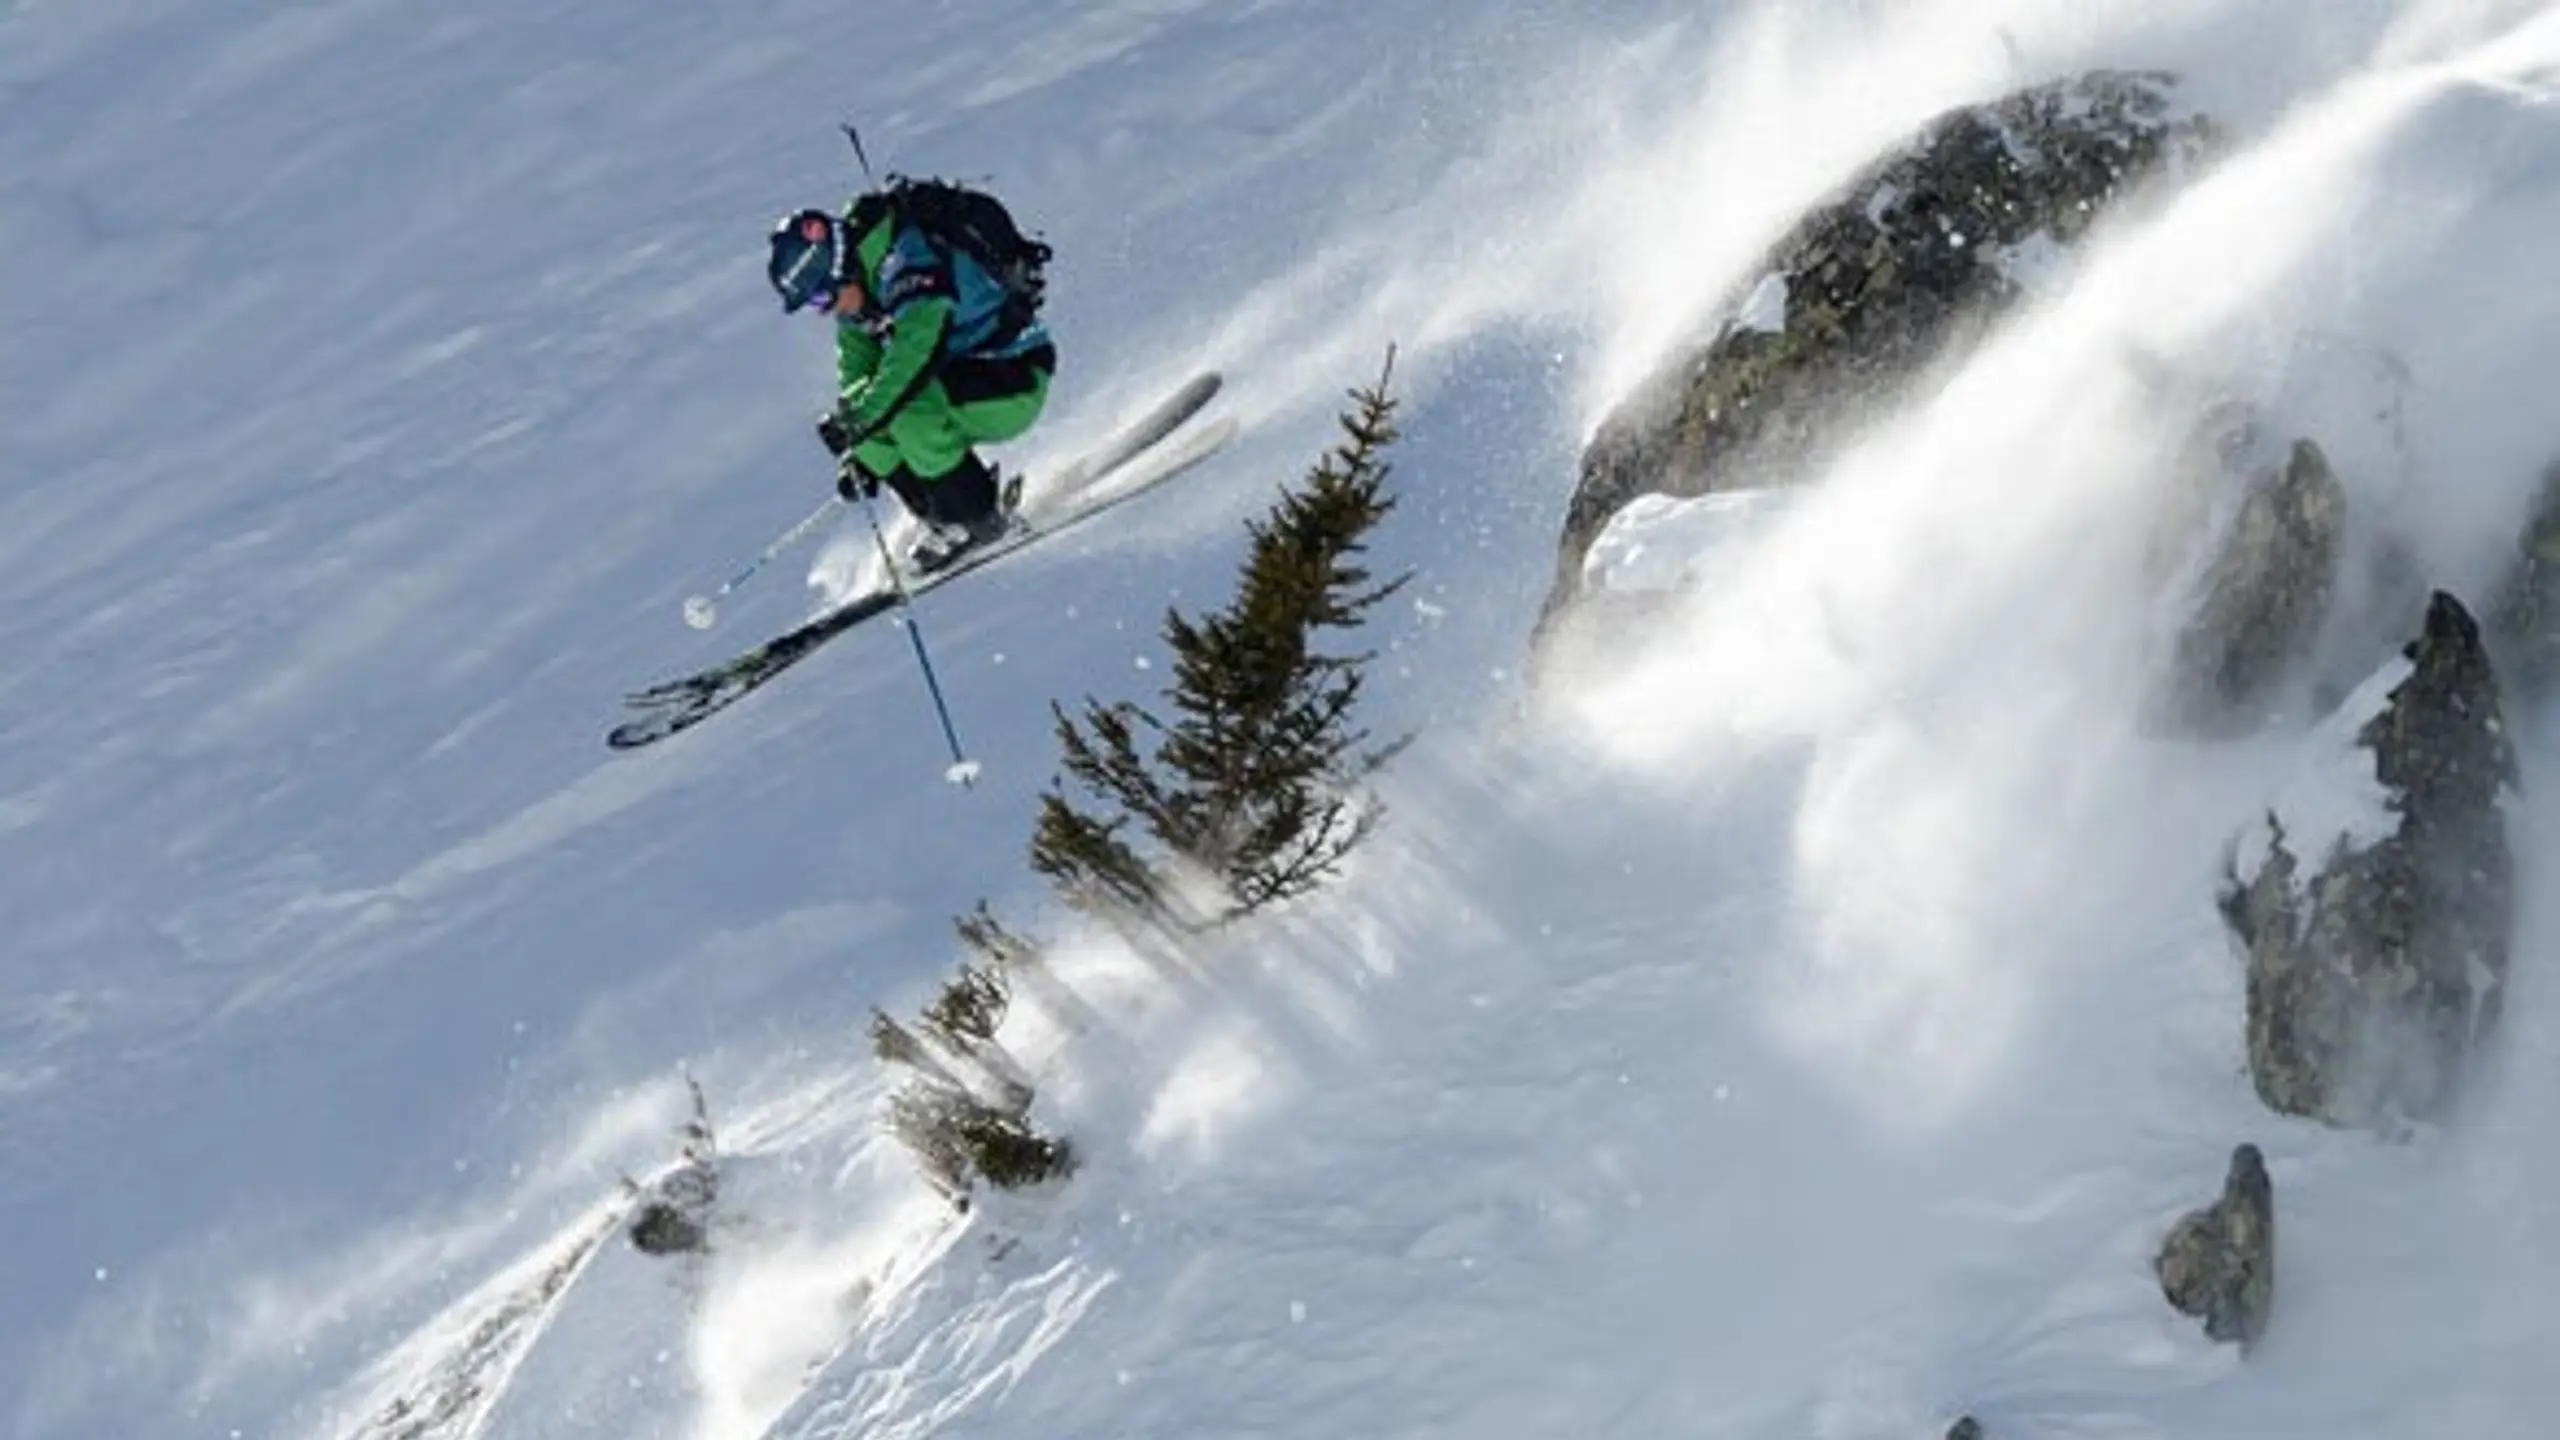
x=2378, y=924
x=674, y=1212
x=1914, y=259
x=675, y=1218
x=2279, y=597
x=2253, y=596
x=2219, y=1263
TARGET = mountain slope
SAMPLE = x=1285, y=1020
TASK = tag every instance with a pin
x=1809, y=1030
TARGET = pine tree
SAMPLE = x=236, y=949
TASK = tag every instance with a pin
x=972, y=1005
x=1254, y=780
x=1254, y=784
x=992, y=940
x=956, y=1135
x=958, y=1139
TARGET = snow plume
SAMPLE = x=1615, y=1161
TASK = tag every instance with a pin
x=1621, y=191
x=784, y=1305
x=263, y=1327
x=1715, y=147
x=1947, y=623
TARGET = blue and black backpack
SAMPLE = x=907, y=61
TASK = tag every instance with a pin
x=973, y=223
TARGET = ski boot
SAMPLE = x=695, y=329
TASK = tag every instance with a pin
x=943, y=542
x=962, y=511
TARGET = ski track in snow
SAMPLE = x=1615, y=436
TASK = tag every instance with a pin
x=1808, y=1031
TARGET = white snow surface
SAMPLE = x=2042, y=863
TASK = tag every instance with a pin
x=1660, y=543
x=1764, y=310
x=2334, y=802
x=1805, y=1030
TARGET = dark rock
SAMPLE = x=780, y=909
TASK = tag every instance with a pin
x=2377, y=960
x=2219, y=1263
x=2524, y=620
x=1965, y=1428
x=2258, y=597
x=661, y=1227
x=672, y=1215
x=1914, y=259
x=2280, y=599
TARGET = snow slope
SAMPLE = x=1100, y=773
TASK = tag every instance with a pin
x=1807, y=1032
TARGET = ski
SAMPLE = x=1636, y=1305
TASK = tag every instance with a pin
x=1140, y=435
x=1077, y=494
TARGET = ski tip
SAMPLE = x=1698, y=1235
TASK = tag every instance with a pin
x=1216, y=434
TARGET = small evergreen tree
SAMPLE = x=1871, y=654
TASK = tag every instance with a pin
x=958, y=1139
x=1018, y=961
x=964, y=1019
x=1254, y=784
x=1254, y=781
x=956, y=1135
x=893, y=1044
x=922, y=1114
x=983, y=933
x=972, y=1006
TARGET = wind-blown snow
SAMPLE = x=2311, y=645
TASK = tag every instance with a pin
x=1808, y=1031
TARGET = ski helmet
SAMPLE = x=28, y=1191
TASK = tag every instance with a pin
x=809, y=253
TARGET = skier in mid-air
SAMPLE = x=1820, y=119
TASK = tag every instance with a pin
x=936, y=354
x=936, y=296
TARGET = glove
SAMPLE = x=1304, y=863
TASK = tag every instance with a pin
x=833, y=435
x=852, y=484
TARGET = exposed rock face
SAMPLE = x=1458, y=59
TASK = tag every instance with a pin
x=2267, y=571
x=2524, y=623
x=1916, y=257
x=676, y=1220
x=2378, y=952
x=2219, y=1263
x=1965, y=1428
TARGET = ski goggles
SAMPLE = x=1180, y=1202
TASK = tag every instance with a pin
x=806, y=264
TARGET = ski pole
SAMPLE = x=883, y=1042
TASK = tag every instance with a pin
x=963, y=769
x=701, y=610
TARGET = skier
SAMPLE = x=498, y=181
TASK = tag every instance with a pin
x=935, y=355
